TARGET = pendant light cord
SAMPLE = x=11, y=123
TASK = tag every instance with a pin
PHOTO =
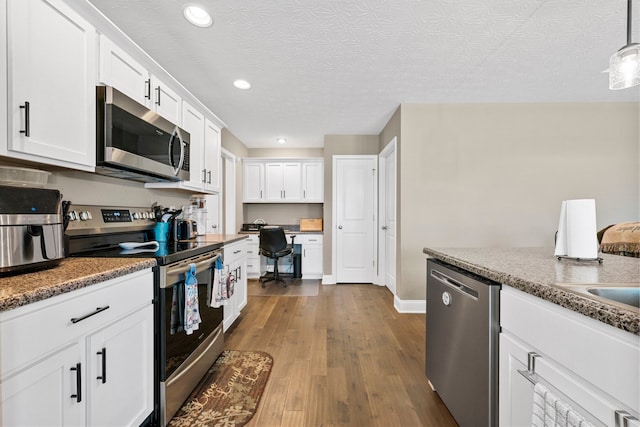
x=629, y=22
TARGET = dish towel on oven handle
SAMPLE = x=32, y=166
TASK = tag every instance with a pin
x=217, y=293
x=550, y=411
x=191, y=309
x=177, y=309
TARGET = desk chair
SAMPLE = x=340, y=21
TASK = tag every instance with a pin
x=273, y=244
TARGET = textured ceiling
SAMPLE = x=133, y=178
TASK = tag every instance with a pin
x=322, y=67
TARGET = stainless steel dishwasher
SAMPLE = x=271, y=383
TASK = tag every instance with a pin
x=462, y=343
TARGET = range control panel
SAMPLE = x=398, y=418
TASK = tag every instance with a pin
x=86, y=219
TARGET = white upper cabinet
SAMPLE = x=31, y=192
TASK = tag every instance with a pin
x=283, y=181
x=166, y=102
x=212, y=159
x=123, y=72
x=51, y=84
x=120, y=70
x=253, y=181
x=313, y=181
x=193, y=122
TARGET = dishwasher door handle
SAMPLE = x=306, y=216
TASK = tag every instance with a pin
x=453, y=283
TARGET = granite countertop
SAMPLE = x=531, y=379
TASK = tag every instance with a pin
x=69, y=275
x=537, y=272
x=78, y=272
x=223, y=239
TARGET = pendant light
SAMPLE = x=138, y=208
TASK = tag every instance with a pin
x=624, y=65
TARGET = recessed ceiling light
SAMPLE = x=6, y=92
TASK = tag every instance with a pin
x=197, y=15
x=282, y=140
x=242, y=84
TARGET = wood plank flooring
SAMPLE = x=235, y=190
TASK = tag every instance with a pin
x=342, y=358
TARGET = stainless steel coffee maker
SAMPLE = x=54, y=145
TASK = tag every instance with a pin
x=31, y=229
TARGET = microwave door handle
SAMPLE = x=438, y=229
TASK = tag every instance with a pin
x=172, y=140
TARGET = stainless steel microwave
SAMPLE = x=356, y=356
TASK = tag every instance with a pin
x=136, y=143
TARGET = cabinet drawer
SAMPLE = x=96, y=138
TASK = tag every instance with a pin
x=253, y=265
x=309, y=239
x=36, y=329
x=234, y=252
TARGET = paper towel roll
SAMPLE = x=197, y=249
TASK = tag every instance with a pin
x=577, y=229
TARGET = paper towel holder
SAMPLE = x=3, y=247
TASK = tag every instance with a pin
x=576, y=236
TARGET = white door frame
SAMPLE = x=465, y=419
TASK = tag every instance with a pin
x=229, y=192
x=386, y=151
x=334, y=212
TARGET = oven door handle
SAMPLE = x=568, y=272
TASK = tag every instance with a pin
x=200, y=266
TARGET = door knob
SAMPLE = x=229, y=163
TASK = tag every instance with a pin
x=339, y=227
x=384, y=227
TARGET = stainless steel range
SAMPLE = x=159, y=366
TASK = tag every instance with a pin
x=181, y=359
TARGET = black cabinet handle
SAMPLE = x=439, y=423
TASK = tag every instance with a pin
x=78, y=395
x=209, y=180
x=204, y=175
x=147, y=84
x=158, y=97
x=97, y=310
x=103, y=353
x=27, y=128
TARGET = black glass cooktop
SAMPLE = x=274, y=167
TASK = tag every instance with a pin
x=107, y=246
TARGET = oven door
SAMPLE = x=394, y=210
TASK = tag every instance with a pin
x=176, y=348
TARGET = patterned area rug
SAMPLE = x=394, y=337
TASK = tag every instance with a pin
x=230, y=392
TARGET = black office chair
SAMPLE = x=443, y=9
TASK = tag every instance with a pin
x=273, y=244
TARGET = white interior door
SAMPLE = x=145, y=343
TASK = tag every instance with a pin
x=387, y=230
x=229, y=192
x=355, y=215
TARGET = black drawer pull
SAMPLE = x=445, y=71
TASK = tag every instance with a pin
x=98, y=310
x=147, y=84
x=78, y=395
x=103, y=377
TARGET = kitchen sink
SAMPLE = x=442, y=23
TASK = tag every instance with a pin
x=624, y=295
x=628, y=295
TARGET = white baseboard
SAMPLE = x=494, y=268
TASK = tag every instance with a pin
x=410, y=306
x=328, y=279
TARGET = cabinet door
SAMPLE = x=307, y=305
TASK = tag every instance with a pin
x=273, y=176
x=515, y=392
x=313, y=181
x=193, y=122
x=120, y=371
x=166, y=102
x=121, y=71
x=311, y=261
x=292, y=182
x=253, y=182
x=212, y=156
x=51, y=84
x=47, y=392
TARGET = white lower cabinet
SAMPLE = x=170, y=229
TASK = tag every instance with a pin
x=253, y=256
x=114, y=375
x=81, y=358
x=592, y=366
x=235, y=264
x=50, y=386
x=311, y=255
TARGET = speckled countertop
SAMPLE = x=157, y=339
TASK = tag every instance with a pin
x=537, y=272
x=69, y=275
x=76, y=272
x=223, y=239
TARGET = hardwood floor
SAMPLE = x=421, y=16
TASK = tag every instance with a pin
x=342, y=358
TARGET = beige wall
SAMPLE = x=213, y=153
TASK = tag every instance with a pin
x=495, y=175
x=339, y=145
x=83, y=188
